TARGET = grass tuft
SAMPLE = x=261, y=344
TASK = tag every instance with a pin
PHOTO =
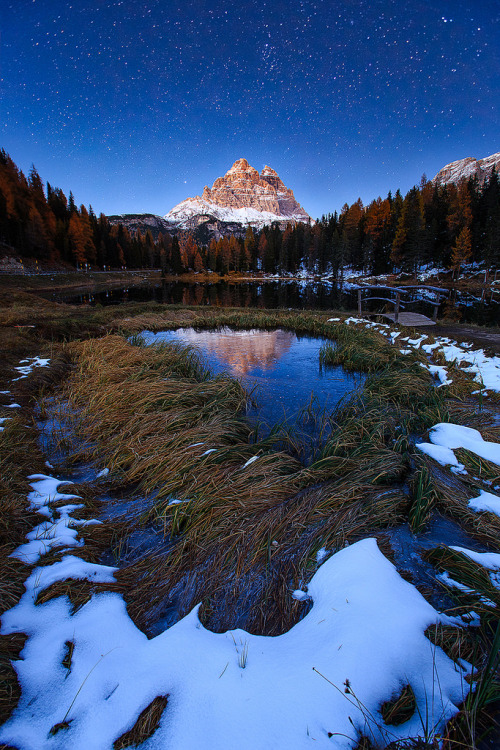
x=400, y=708
x=146, y=725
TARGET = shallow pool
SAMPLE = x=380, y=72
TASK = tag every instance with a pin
x=279, y=368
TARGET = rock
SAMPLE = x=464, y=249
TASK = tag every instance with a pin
x=242, y=197
x=466, y=168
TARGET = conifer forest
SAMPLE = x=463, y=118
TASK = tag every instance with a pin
x=443, y=225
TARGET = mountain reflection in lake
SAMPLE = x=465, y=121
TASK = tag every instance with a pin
x=280, y=368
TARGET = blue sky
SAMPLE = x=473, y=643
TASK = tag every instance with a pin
x=135, y=106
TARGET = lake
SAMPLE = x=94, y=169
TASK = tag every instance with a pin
x=301, y=295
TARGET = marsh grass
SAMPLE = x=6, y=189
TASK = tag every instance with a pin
x=451, y=494
x=243, y=537
x=78, y=592
x=400, y=708
x=484, y=596
x=10, y=690
x=424, y=499
x=242, y=534
x=478, y=466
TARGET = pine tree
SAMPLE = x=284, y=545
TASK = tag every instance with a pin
x=410, y=242
x=251, y=246
x=77, y=239
x=177, y=266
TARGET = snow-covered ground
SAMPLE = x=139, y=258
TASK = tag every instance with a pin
x=322, y=684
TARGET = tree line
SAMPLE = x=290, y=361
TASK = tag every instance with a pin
x=445, y=225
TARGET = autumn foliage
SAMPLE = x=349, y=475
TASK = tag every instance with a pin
x=444, y=225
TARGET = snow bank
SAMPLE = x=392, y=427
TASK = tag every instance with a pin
x=486, y=370
x=456, y=436
x=445, y=437
x=361, y=642
x=486, y=501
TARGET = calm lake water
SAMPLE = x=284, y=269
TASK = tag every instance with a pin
x=280, y=368
x=300, y=295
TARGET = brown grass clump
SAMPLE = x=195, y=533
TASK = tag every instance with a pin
x=79, y=592
x=457, y=643
x=478, y=466
x=400, y=708
x=484, y=596
x=10, y=690
x=146, y=725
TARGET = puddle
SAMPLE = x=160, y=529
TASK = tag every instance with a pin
x=279, y=368
x=408, y=549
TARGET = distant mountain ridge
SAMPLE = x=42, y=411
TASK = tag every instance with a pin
x=466, y=168
x=239, y=199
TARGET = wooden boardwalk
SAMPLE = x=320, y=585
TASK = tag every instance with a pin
x=415, y=320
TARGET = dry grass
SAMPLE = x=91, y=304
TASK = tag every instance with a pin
x=478, y=466
x=245, y=537
x=452, y=493
x=400, y=708
x=457, y=643
x=424, y=499
x=146, y=725
x=484, y=597
x=77, y=591
x=10, y=690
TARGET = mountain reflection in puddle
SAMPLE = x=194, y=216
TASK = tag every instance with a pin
x=280, y=368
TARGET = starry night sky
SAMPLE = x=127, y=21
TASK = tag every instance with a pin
x=137, y=105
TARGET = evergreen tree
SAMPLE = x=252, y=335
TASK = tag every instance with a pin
x=177, y=266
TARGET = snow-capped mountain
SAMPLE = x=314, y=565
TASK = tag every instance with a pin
x=240, y=199
x=468, y=167
x=242, y=196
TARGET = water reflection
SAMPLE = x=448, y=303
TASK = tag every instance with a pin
x=280, y=368
x=481, y=309
x=242, y=352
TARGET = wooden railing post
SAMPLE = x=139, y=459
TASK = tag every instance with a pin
x=436, y=306
x=396, y=307
x=359, y=302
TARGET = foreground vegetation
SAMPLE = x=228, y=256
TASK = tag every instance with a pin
x=245, y=533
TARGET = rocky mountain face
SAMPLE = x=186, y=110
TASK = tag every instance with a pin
x=468, y=167
x=241, y=198
x=142, y=222
x=243, y=187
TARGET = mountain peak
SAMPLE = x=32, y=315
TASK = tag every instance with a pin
x=240, y=165
x=267, y=171
x=242, y=196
